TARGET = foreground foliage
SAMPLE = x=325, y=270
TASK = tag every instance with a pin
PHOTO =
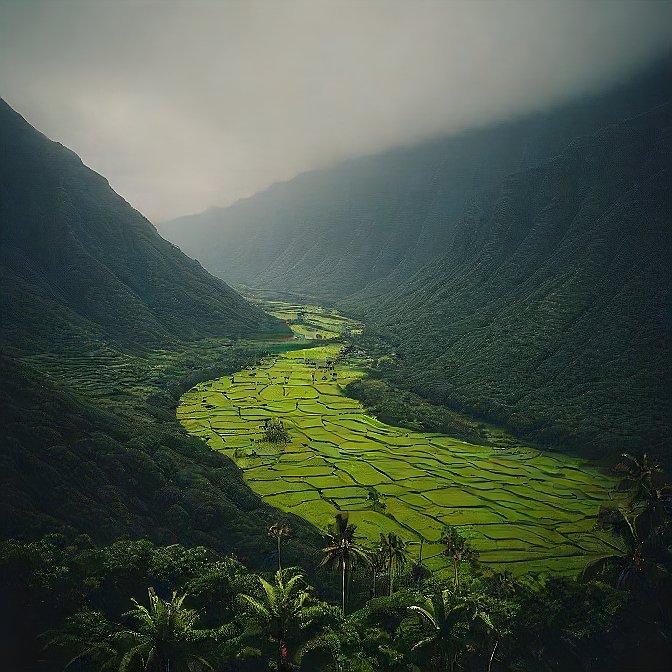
x=207, y=612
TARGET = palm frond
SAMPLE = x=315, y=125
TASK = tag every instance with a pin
x=429, y=617
x=258, y=607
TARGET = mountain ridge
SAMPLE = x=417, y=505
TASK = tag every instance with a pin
x=77, y=249
x=361, y=227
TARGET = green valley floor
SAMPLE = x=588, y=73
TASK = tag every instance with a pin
x=523, y=510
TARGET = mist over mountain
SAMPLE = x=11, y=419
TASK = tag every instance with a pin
x=365, y=225
x=510, y=268
x=79, y=262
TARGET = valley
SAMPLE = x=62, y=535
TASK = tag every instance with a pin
x=522, y=509
x=461, y=344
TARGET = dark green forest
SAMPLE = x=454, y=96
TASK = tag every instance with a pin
x=555, y=322
x=135, y=605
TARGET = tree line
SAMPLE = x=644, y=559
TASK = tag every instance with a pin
x=136, y=606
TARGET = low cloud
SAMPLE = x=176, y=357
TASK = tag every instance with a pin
x=187, y=104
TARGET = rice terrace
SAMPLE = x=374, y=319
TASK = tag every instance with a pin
x=523, y=510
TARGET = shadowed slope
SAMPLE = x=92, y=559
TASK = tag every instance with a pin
x=554, y=314
x=78, y=261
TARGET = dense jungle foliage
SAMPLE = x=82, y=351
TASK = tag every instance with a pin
x=133, y=605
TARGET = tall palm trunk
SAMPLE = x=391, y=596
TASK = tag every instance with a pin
x=279, y=561
x=422, y=541
x=455, y=563
x=389, y=566
x=492, y=655
x=343, y=585
x=283, y=663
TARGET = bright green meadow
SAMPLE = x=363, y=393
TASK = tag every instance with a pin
x=524, y=510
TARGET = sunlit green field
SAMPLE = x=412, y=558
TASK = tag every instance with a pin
x=523, y=510
x=312, y=322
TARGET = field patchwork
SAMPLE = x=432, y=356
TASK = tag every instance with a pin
x=523, y=510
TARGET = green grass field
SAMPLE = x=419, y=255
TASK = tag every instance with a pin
x=523, y=510
x=311, y=322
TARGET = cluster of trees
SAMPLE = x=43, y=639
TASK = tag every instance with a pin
x=643, y=528
x=120, y=465
x=274, y=431
x=85, y=606
x=402, y=408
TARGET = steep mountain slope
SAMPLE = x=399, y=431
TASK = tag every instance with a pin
x=360, y=228
x=102, y=327
x=78, y=262
x=554, y=313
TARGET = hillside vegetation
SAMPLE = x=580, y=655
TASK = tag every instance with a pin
x=99, y=324
x=79, y=263
x=519, y=273
x=556, y=319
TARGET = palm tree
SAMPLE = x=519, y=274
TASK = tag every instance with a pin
x=377, y=504
x=342, y=551
x=283, y=614
x=87, y=636
x=165, y=638
x=377, y=565
x=452, y=626
x=637, y=556
x=650, y=496
x=394, y=550
x=637, y=475
x=418, y=570
x=277, y=531
x=457, y=548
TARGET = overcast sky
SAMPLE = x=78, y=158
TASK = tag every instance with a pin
x=187, y=104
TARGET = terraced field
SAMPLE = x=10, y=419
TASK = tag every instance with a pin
x=309, y=322
x=524, y=510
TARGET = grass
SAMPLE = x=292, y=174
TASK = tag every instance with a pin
x=523, y=510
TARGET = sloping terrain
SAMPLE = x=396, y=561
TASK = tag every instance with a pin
x=78, y=262
x=362, y=227
x=556, y=321
x=102, y=326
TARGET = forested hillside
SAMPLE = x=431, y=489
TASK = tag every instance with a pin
x=362, y=227
x=102, y=325
x=78, y=262
x=553, y=314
